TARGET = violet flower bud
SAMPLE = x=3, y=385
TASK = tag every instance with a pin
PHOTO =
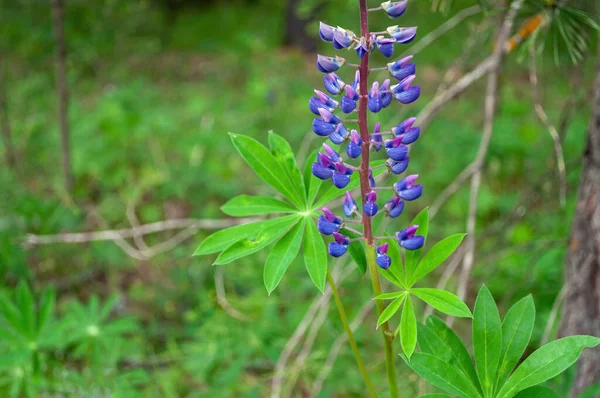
x=371, y=208
x=374, y=102
x=402, y=35
x=404, y=93
x=342, y=38
x=394, y=8
x=348, y=101
x=395, y=150
x=341, y=176
x=331, y=153
x=321, y=172
x=383, y=260
x=329, y=64
x=408, y=240
x=339, y=135
x=356, y=82
x=361, y=48
x=407, y=189
x=350, y=206
x=322, y=128
x=394, y=207
x=333, y=84
x=404, y=127
x=397, y=167
x=386, y=94
x=328, y=223
x=371, y=179
x=354, y=148
x=339, y=246
x=385, y=46
x=321, y=101
x=376, y=139
x=326, y=32
x=402, y=69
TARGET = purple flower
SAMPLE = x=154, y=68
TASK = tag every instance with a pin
x=321, y=172
x=376, y=139
x=326, y=32
x=371, y=179
x=394, y=207
x=339, y=246
x=331, y=153
x=339, y=135
x=374, y=102
x=322, y=128
x=328, y=223
x=329, y=64
x=370, y=208
x=321, y=101
x=386, y=94
x=402, y=69
x=407, y=189
x=385, y=45
x=404, y=127
x=404, y=93
x=395, y=150
x=394, y=8
x=397, y=167
x=348, y=101
x=356, y=82
x=402, y=35
x=408, y=240
x=333, y=84
x=383, y=260
x=361, y=48
x=342, y=38
x=354, y=148
x=350, y=206
x=341, y=176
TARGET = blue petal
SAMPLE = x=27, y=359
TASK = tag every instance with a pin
x=399, y=153
x=399, y=167
x=386, y=99
x=347, y=105
x=321, y=172
x=326, y=227
x=411, y=136
x=412, y=193
x=413, y=243
x=370, y=209
x=353, y=150
x=387, y=49
x=338, y=137
x=340, y=180
x=410, y=95
x=337, y=250
x=333, y=84
x=406, y=71
x=384, y=261
x=374, y=103
x=322, y=128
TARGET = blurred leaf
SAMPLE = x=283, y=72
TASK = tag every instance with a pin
x=243, y=205
x=315, y=255
x=390, y=296
x=436, y=256
x=487, y=339
x=27, y=309
x=443, y=301
x=537, y=392
x=282, y=255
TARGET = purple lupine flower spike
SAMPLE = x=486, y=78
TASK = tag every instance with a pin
x=397, y=167
x=371, y=207
x=354, y=148
x=376, y=139
x=395, y=150
x=383, y=260
x=348, y=101
x=394, y=207
x=385, y=46
x=408, y=240
x=339, y=246
x=342, y=38
x=350, y=206
x=402, y=35
x=328, y=223
x=394, y=8
x=361, y=48
x=341, y=177
x=326, y=32
x=407, y=189
x=333, y=84
x=374, y=102
x=331, y=153
x=329, y=64
x=402, y=69
x=386, y=94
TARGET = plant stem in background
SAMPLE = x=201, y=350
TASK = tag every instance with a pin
x=344, y=319
x=365, y=189
x=63, y=92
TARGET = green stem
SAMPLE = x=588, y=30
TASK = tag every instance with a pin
x=344, y=318
x=385, y=328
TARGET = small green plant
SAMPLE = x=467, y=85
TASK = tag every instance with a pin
x=497, y=347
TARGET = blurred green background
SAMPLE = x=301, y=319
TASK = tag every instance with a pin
x=155, y=88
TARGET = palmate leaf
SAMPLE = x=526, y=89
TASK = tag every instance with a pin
x=546, y=362
x=244, y=205
x=282, y=151
x=262, y=161
x=282, y=255
x=436, y=256
x=315, y=255
x=537, y=392
x=408, y=328
x=443, y=301
x=487, y=339
x=412, y=257
x=391, y=309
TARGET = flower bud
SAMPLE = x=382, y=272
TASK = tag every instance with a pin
x=328, y=223
x=385, y=46
x=401, y=70
x=361, y=48
x=376, y=139
x=333, y=84
x=374, y=102
x=339, y=246
x=321, y=172
x=341, y=176
x=339, y=135
x=394, y=8
x=394, y=207
x=386, y=94
x=402, y=35
x=408, y=240
x=397, y=167
x=370, y=208
x=331, y=153
x=348, y=101
x=354, y=148
x=383, y=260
x=342, y=38
x=371, y=179
x=326, y=32
x=350, y=206
x=407, y=189
x=329, y=64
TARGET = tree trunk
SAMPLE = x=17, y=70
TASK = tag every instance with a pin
x=63, y=92
x=581, y=313
x=9, y=150
x=296, y=27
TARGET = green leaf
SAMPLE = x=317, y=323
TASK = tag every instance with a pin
x=431, y=343
x=390, y=296
x=224, y=238
x=12, y=314
x=27, y=308
x=412, y=257
x=391, y=309
x=442, y=375
x=244, y=205
x=487, y=339
x=546, y=363
x=537, y=392
x=265, y=237
x=395, y=273
x=47, y=303
x=284, y=154
x=312, y=183
x=516, y=332
x=282, y=255
x=315, y=255
x=267, y=167
x=436, y=256
x=443, y=301
x=333, y=192
x=435, y=396
x=357, y=251
x=459, y=356
x=408, y=328
x=592, y=391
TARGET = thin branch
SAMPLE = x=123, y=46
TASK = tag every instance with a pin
x=135, y=223
x=539, y=110
x=222, y=297
x=453, y=187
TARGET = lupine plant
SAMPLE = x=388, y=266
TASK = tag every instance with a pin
x=344, y=166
